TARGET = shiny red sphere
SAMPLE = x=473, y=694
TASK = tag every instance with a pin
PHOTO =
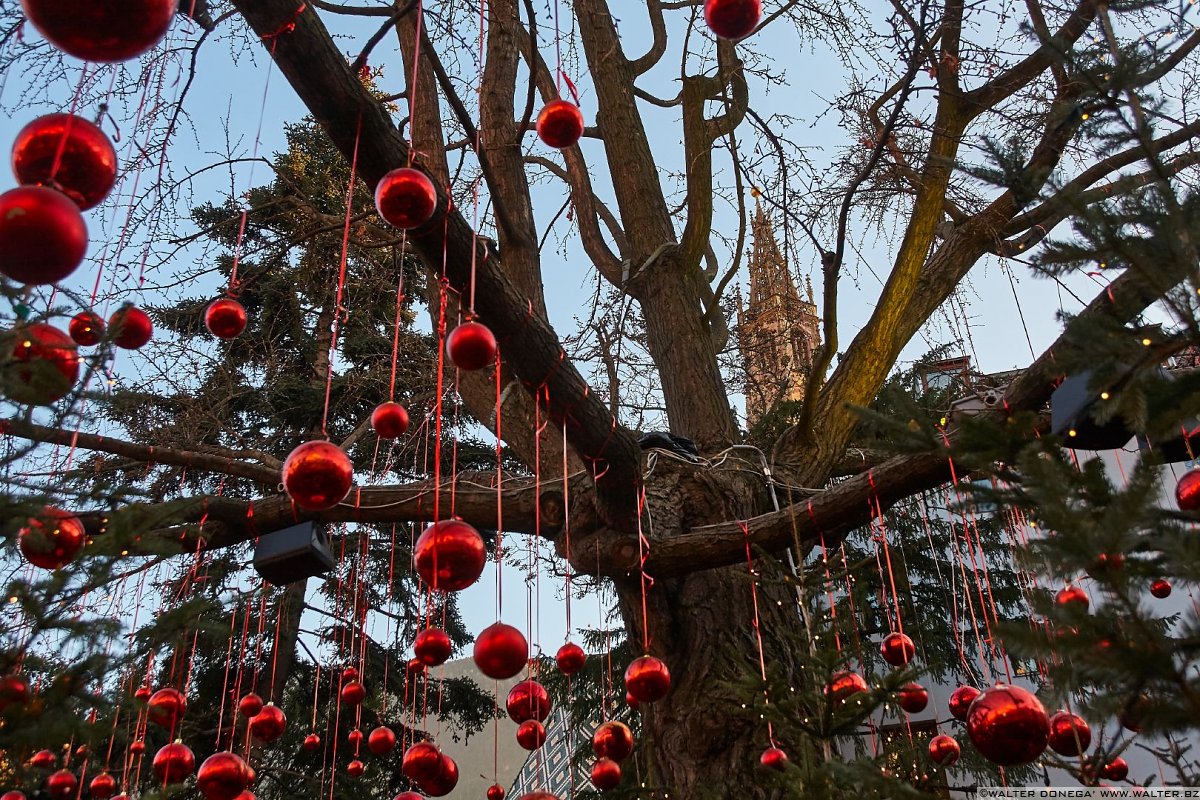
x=612, y=739
x=494, y=792
x=631, y=701
x=405, y=198
x=606, y=774
x=449, y=555
x=317, y=475
x=166, y=707
x=52, y=539
x=353, y=693
x=349, y=674
x=471, y=346
x=107, y=32
x=1070, y=734
x=422, y=762
x=415, y=666
x=62, y=785
x=45, y=364
x=500, y=651
x=844, y=685
x=773, y=758
x=897, y=649
x=225, y=318
x=250, y=705
x=138, y=747
x=913, y=698
x=174, y=763
x=223, y=776
x=1187, y=491
x=143, y=693
x=67, y=153
x=131, y=327
x=528, y=700
x=531, y=734
x=1161, y=588
x=960, y=701
x=390, y=420
x=570, y=658
x=732, y=19
x=409, y=796
x=1115, y=770
x=432, y=646
x=382, y=740
x=648, y=679
x=445, y=781
x=312, y=743
x=560, y=124
x=944, y=750
x=1008, y=725
x=103, y=786
x=355, y=738
x=43, y=237
x=43, y=759
x=246, y=795
x=15, y=795
x=14, y=691
x=269, y=724
x=1072, y=596
x=355, y=768
x=86, y=328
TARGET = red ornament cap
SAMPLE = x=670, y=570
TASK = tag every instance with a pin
x=612, y=739
x=560, y=124
x=500, y=651
x=450, y=555
x=531, y=735
x=732, y=19
x=68, y=153
x=390, y=420
x=648, y=679
x=52, y=539
x=1070, y=734
x=606, y=774
x=105, y=32
x=43, y=237
x=1187, y=491
x=405, y=198
x=897, y=649
x=86, y=328
x=471, y=346
x=45, y=364
x=960, y=701
x=317, y=475
x=432, y=646
x=269, y=724
x=225, y=318
x=773, y=758
x=528, y=700
x=131, y=327
x=1008, y=725
x=570, y=658
x=944, y=750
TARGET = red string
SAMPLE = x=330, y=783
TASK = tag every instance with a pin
x=762, y=664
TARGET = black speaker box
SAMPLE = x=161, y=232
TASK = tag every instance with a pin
x=293, y=554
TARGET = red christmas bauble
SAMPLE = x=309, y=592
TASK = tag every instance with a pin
x=570, y=658
x=246, y=795
x=612, y=739
x=382, y=740
x=960, y=701
x=897, y=649
x=631, y=701
x=773, y=758
x=355, y=738
x=46, y=364
x=432, y=646
x=14, y=691
x=449, y=555
x=500, y=651
x=174, y=763
x=531, y=734
x=913, y=698
x=1133, y=715
x=560, y=124
x=353, y=693
x=732, y=19
x=349, y=674
x=43, y=759
x=223, y=776
x=415, y=666
x=52, y=539
x=1108, y=562
x=105, y=32
x=86, y=328
x=269, y=724
x=1161, y=588
x=405, y=198
x=13, y=795
x=138, y=747
x=1115, y=770
x=494, y=792
x=317, y=475
x=606, y=774
x=445, y=781
x=1008, y=725
x=422, y=762
x=1072, y=596
x=43, y=237
x=67, y=153
x=471, y=346
x=944, y=750
x=845, y=684
x=409, y=796
x=131, y=327
x=143, y=694
x=355, y=768
x=528, y=700
x=225, y=318
x=250, y=705
x=103, y=786
x=1070, y=734
x=390, y=420
x=62, y=785
x=166, y=707
x=1187, y=491
x=312, y=743
x=648, y=679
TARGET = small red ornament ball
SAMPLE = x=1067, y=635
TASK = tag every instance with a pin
x=355, y=738
x=1115, y=770
x=944, y=750
x=46, y=365
x=471, y=346
x=500, y=651
x=1161, y=588
x=390, y=420
x=13, y=795
x=131, y=327
x=1187, y=491
x=52, y=539
x=960, y=700
x=1070, y=734
x=445, y=781
x=1070, y=596
x=560, y=124
x=250, y=705
x=773, y=758
x=269, y=724
x=570, y=658
x=648, y=679
x=317, y=475
x=353, y=693
x=432, y=646
x=86, y=328
x=844, y=685
x=897, y=649
x=43, y=237
x=415, y=666
x=107, y=32
x=223, y=776
x=381, y=741
x=405, y=198
x=67, y=153
x=531, y=734
x=166, y=707
x=913, y=698
x=138, y=747
x=528, y=700
x=612, y=739
x=14, y=691
x=62, y=785
x=312, y=743
x=174, y=763
x=103, y=786
x=422, y=762
x=349, y=674
x=43, y=759
x=356, y=768
x=449, y=555
x=732, y=19
x=225, y=318
x=494, y=792
x=143, y=694
x=1008, y=725
x=606, y=774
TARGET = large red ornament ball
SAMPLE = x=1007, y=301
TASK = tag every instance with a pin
x=390, y=420
x=1161, y=588
x=131, y=327
x=1187, y=491
x=1070, y=734
x=43, y=237
x=1070, y=596
x=382, y=740
x=14, y=691
x=166, y=707
x=845, y=684
x=86, y=328
x=311, y=743
x=62, y=785
x=445, y=781
x=107, y=32
x=606, y=774
x=356, y=768
x=317, y=475
x=432, y=646
x=174, y=763
x=52, y=539
x=531, y=734
x=648, y=679
x=560, y=124
x=500, y=651
x=103, y=786
x=1115, y=770
x=960, y=701
x=225, y=318
x=405, y=198
x=732, y=19
x=528, y=700
x=944, y=750
x=773, y=758
x=449, y=555
x=46, y=364
x=494, y=792
x=570, y=658
x=67, y=153
x=913, y=698
x=1008, y=725
x=612, y=739
x=269, y=724
x=223, y=776
x=471, y=346
x=353, y=693
x=422, y=762
x=897, y=649
x=43, y=759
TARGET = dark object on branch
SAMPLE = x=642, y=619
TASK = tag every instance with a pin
x=661, y=440
x=292, y=554
x=1183, y=447
x=1072, y=416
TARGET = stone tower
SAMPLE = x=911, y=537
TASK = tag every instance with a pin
x=778, y=330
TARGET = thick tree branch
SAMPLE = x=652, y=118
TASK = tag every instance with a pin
x=658, y=47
